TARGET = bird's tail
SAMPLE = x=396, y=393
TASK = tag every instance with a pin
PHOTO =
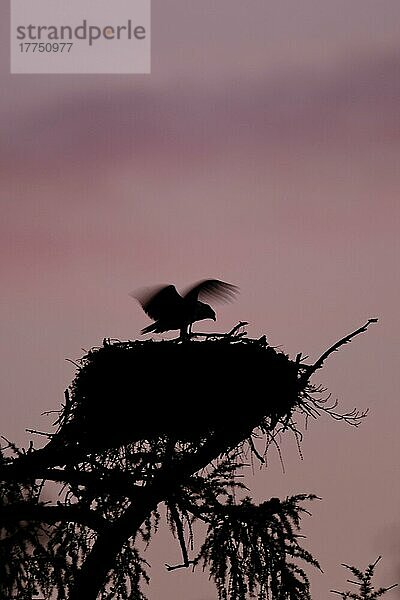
x=149, y=328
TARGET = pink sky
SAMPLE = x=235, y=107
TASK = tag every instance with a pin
x=263, y=150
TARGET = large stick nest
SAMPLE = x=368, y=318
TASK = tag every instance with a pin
x=140, y=390
x=139, y=395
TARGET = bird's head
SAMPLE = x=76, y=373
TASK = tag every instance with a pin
x=205, y=312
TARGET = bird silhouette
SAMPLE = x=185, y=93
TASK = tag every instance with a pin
x=172, y=311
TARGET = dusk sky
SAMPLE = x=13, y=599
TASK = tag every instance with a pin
x=264, y=150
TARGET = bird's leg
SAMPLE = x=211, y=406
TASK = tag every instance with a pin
x=186, y=331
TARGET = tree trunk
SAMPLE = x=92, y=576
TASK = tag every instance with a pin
x=100, y=561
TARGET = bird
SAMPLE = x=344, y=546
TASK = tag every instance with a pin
x=170, y=311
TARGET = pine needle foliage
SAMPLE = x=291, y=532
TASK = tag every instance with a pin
x=26, y=566
x=363, y=580
x=253, y=551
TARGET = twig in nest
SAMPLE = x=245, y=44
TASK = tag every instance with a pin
x=237, y=327
x=231, y=333
x=48, y=435
x=313, y=407
x=11, y=445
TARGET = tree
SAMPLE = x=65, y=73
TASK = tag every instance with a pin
x=147, y=423
x=364, y=583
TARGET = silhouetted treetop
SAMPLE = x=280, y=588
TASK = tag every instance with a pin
x=172, y=422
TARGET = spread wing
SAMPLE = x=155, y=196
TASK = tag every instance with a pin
x=212, y=289
x=160, y=302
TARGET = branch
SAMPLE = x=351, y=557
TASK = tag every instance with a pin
x=25, y=511
x=345, y=340
x=181, y=538
x=48, y=435
x=37, y=464
x=182, y=566
x=115, y=484
x=255, y=451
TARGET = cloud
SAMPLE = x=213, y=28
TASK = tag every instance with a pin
x=349, y=104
